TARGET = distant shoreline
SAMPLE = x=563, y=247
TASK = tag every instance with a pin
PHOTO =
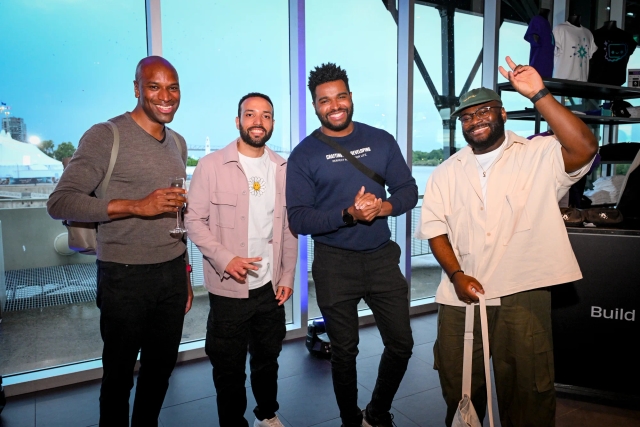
x=425, y=163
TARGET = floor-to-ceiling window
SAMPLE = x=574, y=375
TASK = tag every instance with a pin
x=448, y=51
x=66, y=65
x=223, y=51
x=361, y=37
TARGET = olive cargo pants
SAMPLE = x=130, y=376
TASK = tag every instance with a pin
x=521, y=348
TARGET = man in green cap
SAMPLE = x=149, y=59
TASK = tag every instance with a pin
x=490, y=213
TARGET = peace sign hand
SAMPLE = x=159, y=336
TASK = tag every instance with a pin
x=524, y=78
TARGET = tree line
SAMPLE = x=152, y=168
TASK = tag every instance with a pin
x=431, y=158
x=64, y=149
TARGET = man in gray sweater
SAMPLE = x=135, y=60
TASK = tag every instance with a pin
x=143, y=284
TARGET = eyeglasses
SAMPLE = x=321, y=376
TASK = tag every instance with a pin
x=480, y=113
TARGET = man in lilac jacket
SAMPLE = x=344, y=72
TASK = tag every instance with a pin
x=237, y=217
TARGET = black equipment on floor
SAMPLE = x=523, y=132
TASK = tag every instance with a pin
x=318, y=342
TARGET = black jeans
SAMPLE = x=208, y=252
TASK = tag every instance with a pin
x=235, y=323
x=141, y=309
x=342, y=278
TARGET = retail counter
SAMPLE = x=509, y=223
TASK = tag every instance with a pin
x=596, y=320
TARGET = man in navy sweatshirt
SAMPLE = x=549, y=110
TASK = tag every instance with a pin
x=345, y=212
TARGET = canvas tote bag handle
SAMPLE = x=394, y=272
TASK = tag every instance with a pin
x=468, y=353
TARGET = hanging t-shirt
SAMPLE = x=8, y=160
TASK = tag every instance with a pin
x=541, y=55
x=574, y=48
x=261, y=177
x=609, y=64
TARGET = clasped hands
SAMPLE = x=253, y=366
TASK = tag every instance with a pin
x=366, y=206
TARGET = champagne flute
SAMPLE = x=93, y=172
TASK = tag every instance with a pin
x=177, y=182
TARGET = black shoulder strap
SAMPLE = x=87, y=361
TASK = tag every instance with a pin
x=350, y=157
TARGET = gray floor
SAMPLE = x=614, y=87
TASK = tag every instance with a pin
x=305, y=396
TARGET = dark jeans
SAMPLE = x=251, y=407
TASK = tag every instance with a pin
x=235, y=323
x=141, y=309
x=521, y=346
x=342, y=278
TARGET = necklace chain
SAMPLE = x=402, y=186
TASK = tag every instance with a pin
x=484, y=171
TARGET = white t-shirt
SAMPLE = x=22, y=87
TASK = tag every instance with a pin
x=484, y=163
x=574, y=49
x=261, y=177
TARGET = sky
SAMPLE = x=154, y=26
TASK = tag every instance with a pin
x=68, y=64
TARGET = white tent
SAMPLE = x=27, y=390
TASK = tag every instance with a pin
x=21, y=162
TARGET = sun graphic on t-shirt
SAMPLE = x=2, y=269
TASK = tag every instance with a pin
x=256, y=185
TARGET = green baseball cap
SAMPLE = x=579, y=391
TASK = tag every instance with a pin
x=476, y=97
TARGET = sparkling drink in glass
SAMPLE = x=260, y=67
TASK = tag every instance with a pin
x=178, y=182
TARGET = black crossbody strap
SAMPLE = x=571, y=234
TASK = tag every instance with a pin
x=350, y=157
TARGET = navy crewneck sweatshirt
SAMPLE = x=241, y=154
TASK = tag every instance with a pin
x=321, y=183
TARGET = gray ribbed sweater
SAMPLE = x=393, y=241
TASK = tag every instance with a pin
x=143, y=165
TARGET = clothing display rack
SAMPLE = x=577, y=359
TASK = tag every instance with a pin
x=594, y=317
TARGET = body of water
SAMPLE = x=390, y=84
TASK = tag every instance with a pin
x=422, y=174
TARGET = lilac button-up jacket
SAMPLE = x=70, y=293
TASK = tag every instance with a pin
x=217, y=219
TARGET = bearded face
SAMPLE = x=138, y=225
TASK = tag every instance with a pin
x=256, y=136
x=485, y=131
x=255, y=122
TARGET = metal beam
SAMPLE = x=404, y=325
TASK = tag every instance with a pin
x=406, y=15
x=448, y=98
x=491, y=31
x=154, y=27
x=298, y=120
x=472, y=74
x=390, y=5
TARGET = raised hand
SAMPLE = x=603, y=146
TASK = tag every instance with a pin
x=524, y=78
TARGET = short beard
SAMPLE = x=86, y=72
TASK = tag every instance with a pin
x=497, y=132
x=327, y=124
x=244, y=135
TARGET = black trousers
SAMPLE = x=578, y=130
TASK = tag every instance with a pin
x=141, y=310
x=234, y=324
x=342, y=279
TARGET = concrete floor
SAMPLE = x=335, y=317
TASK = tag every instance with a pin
x=305, y=393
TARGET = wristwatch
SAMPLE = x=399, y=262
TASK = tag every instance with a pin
x=347, y=218
x=538, y=96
